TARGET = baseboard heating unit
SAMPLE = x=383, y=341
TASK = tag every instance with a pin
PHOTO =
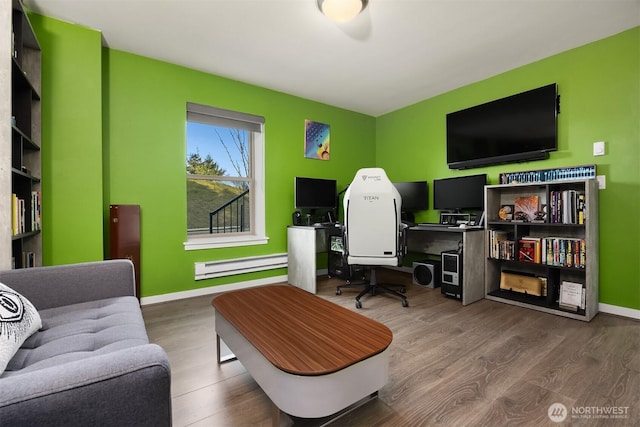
x=229, y=267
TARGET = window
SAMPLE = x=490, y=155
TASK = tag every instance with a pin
x=225, y=178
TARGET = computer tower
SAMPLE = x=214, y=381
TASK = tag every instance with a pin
x=337, y=262
x=451, y=279
x=427, y=273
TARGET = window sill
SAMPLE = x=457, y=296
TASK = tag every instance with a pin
x=209, y=242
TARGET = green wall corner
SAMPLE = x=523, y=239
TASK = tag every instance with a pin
x=71, y=141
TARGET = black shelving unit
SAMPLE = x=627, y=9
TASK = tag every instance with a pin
x=26, y=240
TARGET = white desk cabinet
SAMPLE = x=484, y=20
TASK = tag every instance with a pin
x=303, y=245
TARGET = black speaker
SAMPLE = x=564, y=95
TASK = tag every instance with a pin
x=426, y=273
x=297, y=218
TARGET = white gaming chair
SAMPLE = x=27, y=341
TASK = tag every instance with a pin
x=373, y=232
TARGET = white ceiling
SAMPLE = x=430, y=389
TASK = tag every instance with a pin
x=396, y=53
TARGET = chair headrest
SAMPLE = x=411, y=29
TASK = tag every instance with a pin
x=365, y=175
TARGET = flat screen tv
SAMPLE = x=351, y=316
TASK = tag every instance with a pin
x=459, y=193
x=517, y=128
x=315, y=193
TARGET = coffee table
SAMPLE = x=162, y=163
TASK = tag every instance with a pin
x=311, y=357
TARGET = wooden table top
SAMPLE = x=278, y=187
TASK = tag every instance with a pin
x=299, y=332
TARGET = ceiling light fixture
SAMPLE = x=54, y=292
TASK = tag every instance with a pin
x=341, y=10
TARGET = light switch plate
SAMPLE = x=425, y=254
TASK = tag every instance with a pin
x=598, y=148
x=602, y=181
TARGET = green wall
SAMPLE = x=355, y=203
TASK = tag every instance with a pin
x=600, y=101
x=114, y=132
x=71, y=141
x=144, y=121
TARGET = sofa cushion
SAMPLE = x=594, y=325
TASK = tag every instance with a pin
x=80, y=331
x=18, y=320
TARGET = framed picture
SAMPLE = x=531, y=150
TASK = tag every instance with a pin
x=525, y=208
x=317, y=140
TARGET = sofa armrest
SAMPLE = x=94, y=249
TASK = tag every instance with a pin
x=129, y=387
x=60, y=285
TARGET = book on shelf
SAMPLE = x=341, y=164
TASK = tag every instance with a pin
x=500, y=245
x=28, y=259
x=567, y=207
x=36, y=206
x=564, y=252
x=26, y=216
x=543, y=283
x=18, y=209
x=15, y=215
x=582, y=203
x=530, y=249
x=572, y=296
x=526, y=251
x=21, y=212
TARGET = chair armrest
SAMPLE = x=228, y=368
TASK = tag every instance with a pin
x=129, y=387
x=60, y=285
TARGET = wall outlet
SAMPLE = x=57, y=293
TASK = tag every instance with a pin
x=598, y=148
x=602, y=181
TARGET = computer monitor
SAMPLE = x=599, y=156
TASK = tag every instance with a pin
x=315, y=193
x=414, y=198
x=459, y=193
x=414, y=195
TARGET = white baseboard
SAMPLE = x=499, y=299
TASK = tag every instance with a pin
x=212, y=290
x=619, y=311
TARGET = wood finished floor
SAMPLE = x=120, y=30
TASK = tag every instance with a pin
x=486, y=364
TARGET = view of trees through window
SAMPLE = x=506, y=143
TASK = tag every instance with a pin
x=218, y=168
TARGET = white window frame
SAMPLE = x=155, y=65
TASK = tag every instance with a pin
x=257, y=235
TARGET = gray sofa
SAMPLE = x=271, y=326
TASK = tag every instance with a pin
x=91, y=363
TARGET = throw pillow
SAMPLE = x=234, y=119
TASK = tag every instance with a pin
x=18, y=320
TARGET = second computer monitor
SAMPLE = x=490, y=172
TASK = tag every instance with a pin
x=415, y=197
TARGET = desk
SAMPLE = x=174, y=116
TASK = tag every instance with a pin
x=311, y=357
x=303, y=245
x=434, y=239
x=305, y=242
